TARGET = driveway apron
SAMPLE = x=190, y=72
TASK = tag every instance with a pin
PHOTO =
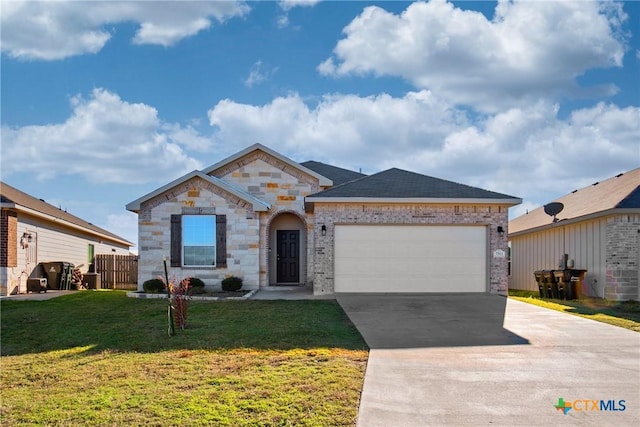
x=478, y=359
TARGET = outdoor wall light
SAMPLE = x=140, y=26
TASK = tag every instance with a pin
x=25, y=240
x=500, y=231
x=323, y=229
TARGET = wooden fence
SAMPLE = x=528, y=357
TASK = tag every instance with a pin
x=117, y=271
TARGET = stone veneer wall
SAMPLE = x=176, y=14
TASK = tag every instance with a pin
x=285, y=189
x=329, y=214
x=267, y=230
x=197, y=195
x=622, y=257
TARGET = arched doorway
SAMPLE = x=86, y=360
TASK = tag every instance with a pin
x=287, y=250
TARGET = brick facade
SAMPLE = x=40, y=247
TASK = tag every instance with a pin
x=250, y=235
x=8, y=239
x=330, y=214
x=622, y=257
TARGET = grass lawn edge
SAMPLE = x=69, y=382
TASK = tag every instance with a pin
x=238, y=363
x=625, y=315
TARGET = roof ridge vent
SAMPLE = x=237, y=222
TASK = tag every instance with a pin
x=619, y=175
x=596, y=183
x=574, y=191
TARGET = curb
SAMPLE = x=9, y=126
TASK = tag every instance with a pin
x=134, y=294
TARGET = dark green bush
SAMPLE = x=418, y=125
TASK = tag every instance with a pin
x=231, y=284
x=196, y=285
x=153, y=286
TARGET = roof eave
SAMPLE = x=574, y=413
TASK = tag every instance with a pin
x=65, y=223
x=569, y=221
x=257, y=204
x=421, y=200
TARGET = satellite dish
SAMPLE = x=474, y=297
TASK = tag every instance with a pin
x=553, y=209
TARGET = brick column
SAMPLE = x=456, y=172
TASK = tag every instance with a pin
x=8, y=239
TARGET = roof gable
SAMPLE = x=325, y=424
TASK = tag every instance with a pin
x=400, y=184
x=11, y=197
x=257, y=204
x=619, y=192
x=632, y=201
x=222, y=167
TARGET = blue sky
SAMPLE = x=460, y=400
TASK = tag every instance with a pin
x=103, y=102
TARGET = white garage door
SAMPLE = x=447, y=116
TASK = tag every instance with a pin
x=412, y=258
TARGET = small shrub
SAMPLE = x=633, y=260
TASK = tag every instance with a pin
x=629, y=306
x=153, y=286
x=231, y=284
x=196, y=285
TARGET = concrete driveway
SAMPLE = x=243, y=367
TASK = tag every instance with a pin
x=476, y=359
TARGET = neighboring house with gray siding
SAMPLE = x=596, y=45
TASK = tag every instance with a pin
x=272, y=221
x=599, y=230
x=33, y=231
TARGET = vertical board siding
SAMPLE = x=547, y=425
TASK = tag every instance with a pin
x=51, y=242
x=583, y=242
x=117, y=271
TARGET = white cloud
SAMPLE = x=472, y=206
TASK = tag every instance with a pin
x=522, y=151
x=283, y=21
x=530, y=50
x=51, y=30
x=287, y=5
x=527, y=151
x=104, y=140
x=187, y=137
x=290, y=4
x=351, y=130
x=258, y=75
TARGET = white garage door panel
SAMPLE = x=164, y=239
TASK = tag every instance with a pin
x=373, y=258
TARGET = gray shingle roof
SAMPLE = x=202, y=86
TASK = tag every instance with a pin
x=334, y=173
x=398, y=183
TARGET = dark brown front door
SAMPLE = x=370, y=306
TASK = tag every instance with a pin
x=288, y=256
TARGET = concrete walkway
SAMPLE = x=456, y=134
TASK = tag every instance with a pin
x=272, y=293
x=288, y=293
x=432, y=362
x=31, y=296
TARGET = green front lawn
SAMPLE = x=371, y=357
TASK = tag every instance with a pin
x=98, y=357
x=625, y=314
